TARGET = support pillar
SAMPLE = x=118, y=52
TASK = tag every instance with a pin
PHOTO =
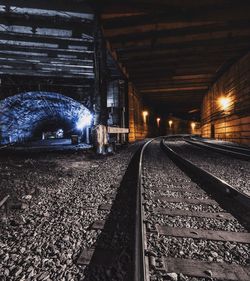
x=101, y=75
x=100, y=91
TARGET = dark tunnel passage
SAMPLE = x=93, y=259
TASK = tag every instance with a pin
x=54, y=124
x=28, y=115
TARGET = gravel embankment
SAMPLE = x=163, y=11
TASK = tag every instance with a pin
x=159, y=172
x=233, y=171
x=43, y=241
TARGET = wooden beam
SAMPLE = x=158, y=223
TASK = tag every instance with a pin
x=155, y=71
x=19, y=37
x=29, y=53
x=43, y=73
x=190, y=38
x=170, y=73
x=62, y=5
x=51, y=52
x=196, y=76
x=176, y=89
x=177, y=31
x=15, y=80
x=148, y=87
x=39, y=65
x=115, y=58
x=177, y=96
x=160, y=71
x=36, y=59
x=220, y=12
x=142, y=84
x=177, y=62
x=147, y=28
x=42, y=57
x=181, y=52
x=46, y=21
x=34, y=46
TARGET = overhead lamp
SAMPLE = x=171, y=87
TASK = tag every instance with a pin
x=144, y=114
x=158, y=121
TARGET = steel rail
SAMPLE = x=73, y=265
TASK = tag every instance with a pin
x=216, y=183
x=231, y=147
x=225, y=151
x=140, y=264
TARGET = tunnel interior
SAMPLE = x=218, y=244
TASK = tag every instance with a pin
x=173, y=60
x=54, y=127
x=125, y=140
x=28, y=115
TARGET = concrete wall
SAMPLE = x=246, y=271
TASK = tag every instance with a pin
x=232, y=121
x=137, y=127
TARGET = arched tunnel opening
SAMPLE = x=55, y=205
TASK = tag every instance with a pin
x=34, y=116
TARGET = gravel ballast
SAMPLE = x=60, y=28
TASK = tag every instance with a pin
x=233, y=171
x=43, y=240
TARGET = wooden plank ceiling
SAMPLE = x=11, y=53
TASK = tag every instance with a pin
x=48, y=43
x=173, y=50
x=43, y=40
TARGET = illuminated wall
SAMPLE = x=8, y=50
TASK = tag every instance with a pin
x=226, y=107
x=138, y=127
x=22, y=115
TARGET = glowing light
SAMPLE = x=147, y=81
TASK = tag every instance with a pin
x=193, y=125
x=170, y=122
x=144, y=114
x=59, y=133
x=158, y=121
x=83, y=121
x=224, y=102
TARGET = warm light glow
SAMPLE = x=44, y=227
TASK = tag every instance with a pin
x=170, y=122
x=158, y=121
x=145, y=114
x=224, y=102
x=193, y=125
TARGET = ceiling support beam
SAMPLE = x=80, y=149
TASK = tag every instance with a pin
x=62, y=5
x=100, y=63
x=49, y=51
x=213, y=12
x=12, y=36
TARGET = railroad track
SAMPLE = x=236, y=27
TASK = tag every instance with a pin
x=190, y=225
x=234, y=151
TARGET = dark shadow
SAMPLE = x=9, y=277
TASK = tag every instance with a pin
x=113, y=254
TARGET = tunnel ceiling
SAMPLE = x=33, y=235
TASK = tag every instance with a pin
x=173, y=50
